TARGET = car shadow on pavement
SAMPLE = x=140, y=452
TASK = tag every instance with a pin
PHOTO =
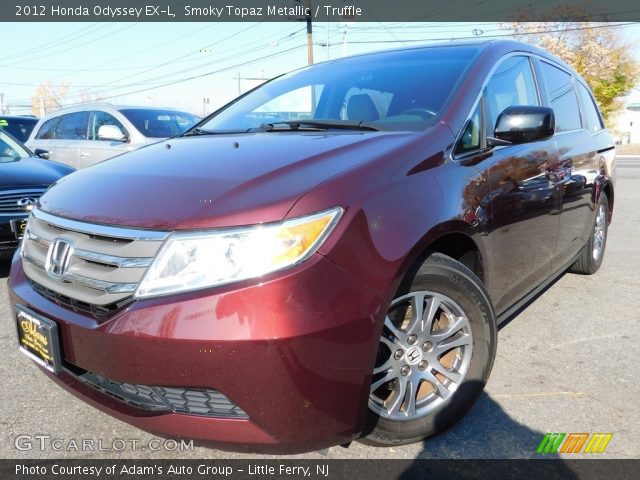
x=485, y=434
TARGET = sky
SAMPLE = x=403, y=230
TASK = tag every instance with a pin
x=194, y=66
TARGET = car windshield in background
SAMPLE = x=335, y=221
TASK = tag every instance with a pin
x=404, y=90
x=159, y=123
x=10, y=150
x=19, y=127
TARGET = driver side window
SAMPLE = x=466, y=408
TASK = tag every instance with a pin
x=511, y=84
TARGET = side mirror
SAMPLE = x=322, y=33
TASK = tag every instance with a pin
x=523, y=124
x=111, y=132
x=44, y=154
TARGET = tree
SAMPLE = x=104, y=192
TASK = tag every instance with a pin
x=595, y=50
x=48, y=97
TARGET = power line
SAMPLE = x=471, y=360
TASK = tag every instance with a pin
x=67, y=39
x=144, y=70
x=196, y=67
x=57, y=52
x=200, y=75
x=381, y=41
x=161, y=84
x=160, y=78
x=50, y=43
x=512, y=34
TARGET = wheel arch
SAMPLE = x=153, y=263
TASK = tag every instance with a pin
x=457, y=240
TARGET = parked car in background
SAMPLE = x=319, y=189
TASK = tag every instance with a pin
x=88, y=134
x=20, y=126
x=23, y=179
x=327, y=257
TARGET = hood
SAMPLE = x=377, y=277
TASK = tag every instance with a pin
x=213, y=181
x=31, y=171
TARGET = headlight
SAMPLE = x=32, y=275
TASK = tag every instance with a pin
x=194, y=260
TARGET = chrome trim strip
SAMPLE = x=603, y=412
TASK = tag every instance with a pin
x=113, y=260
x=100, y=230
x=68, y=277
x=107, y=287
x=39, y=240
x=33, y=261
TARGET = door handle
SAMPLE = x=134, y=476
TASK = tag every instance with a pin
x=84, y=154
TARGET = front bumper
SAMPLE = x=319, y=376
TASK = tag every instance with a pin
x=295, y=353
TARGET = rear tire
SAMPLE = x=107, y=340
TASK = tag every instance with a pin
x=435, y=355
x=592, y=253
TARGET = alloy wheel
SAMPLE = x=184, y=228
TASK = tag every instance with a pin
x=424, y=354
x=599, y=232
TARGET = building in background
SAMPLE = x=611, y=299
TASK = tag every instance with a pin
x=627, y=124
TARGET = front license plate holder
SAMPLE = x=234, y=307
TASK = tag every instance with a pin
x=38, y=339
x=18, y=226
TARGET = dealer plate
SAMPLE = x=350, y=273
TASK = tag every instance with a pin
x=38, y=339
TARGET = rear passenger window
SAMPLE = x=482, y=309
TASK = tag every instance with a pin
x=589, y=109
x=47, y=129
x=563, y=98
x=72, y=126
x=511, y=84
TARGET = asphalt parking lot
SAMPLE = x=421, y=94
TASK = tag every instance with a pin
x=568, y=363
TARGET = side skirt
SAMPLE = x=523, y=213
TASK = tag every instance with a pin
x=511, y=312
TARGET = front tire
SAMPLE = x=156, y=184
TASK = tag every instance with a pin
x=592, y=253
x=435, y=355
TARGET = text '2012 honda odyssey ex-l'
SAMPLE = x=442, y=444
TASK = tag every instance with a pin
x=325, y=258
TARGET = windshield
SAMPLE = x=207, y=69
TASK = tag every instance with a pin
x=10, y=150
x=402, y=90
x=159, y=123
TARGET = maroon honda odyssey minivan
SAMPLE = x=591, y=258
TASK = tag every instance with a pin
x=325, y=258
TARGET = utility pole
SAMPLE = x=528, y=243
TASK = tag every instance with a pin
x=328, y=54
x=309, y=34
x=344, y=41
x=205, y=102
x=2, y=103
x=307, y=18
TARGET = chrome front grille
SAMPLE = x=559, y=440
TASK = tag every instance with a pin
x=104, y=266
x=9, y=200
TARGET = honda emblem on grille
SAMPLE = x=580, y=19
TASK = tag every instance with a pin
x=27, y=203
x=58, y=257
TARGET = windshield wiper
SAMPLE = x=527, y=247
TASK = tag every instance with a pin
x=319, y=125
x=197, y=131
x=201, y=131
